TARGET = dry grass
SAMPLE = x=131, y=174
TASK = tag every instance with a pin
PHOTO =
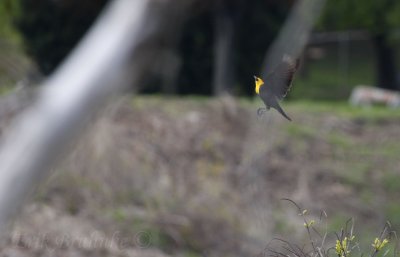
x=205, y=177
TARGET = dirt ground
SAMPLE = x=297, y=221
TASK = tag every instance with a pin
x=198, y=177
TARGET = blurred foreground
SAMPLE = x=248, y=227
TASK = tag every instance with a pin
x=155, y=177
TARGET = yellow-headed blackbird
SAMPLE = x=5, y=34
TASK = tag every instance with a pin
x=277, y=85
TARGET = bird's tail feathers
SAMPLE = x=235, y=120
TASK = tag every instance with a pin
x=281, y=111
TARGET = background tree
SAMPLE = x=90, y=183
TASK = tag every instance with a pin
x=379, y=18
x=222, y=45
x=51, y=29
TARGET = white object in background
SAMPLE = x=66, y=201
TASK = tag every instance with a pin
x=367, y=95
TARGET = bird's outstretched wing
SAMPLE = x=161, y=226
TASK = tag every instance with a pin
x=280, y=79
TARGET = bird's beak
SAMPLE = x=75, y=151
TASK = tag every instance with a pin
x=255, y=77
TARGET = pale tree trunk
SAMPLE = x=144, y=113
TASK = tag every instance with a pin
x=223, y=51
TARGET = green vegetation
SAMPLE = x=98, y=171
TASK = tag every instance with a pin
x=343, y=239
x=8, y=8
x=380, y=19
x=325, y=79
x=322, y=78
x=391, y=182
x=168, y=167
x=345, y=110
x=301, y=131
x=392, y=212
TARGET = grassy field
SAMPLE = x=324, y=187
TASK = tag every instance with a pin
x=205, y=176
x=198, y=176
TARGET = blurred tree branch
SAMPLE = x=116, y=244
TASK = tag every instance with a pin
x=117, y=51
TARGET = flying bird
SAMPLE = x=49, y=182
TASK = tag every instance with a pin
x=277, y=85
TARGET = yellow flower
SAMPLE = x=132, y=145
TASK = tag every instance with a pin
x=309, y=224
x=341, y=247
x=338, y=248
x=378, y=244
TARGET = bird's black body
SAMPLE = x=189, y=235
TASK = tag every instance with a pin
x=271, y=101
x=276, y=85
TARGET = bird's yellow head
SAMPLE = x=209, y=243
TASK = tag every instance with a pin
x=259, y=82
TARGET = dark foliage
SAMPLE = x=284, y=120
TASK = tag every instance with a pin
x=52, y=28
x=256, y=25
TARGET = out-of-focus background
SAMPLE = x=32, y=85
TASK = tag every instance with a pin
x=184, y=167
